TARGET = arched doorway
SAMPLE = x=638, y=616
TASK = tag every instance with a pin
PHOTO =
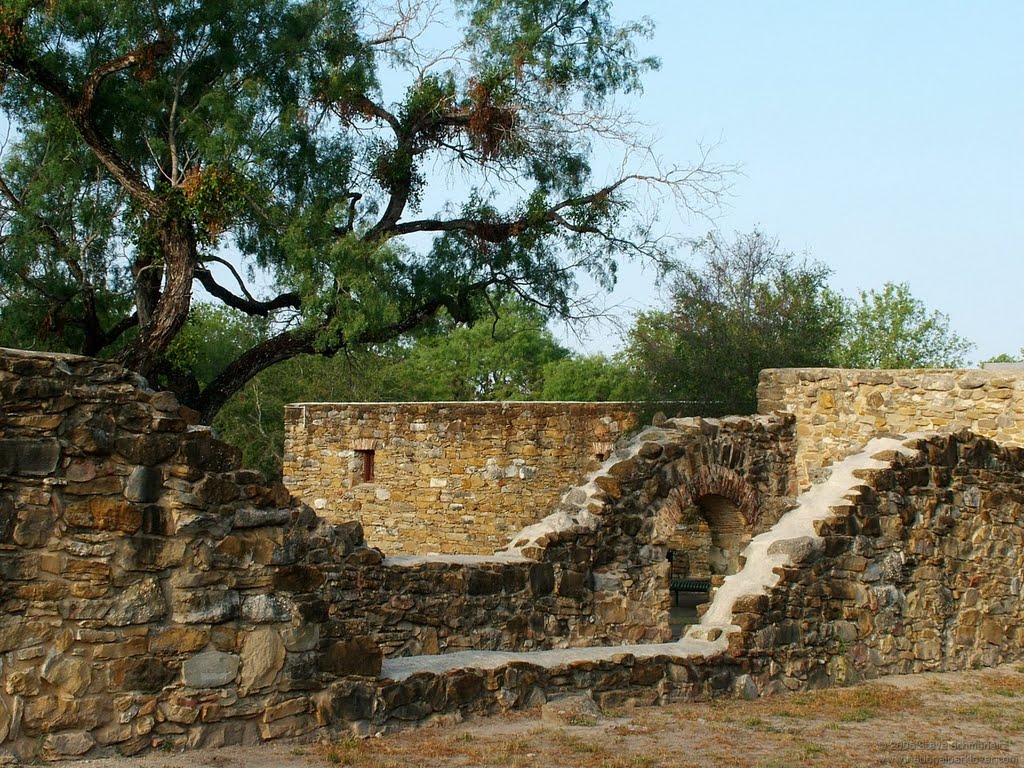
x=704, y=521
x=709, y=535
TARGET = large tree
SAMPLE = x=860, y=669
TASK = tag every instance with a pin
x=746, y=305
x=279, y=153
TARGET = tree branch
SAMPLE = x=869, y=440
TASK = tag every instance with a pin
x=500, y=231
x=249, y=305
x=290, y=343
x=99, y=74
x=78, y=107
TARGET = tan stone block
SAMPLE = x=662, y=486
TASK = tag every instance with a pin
x=67, y=744
x=288, y=727
x=46, y=714
x=107, y=514
x=262, y=655
x=136, y=646
x=286, y=709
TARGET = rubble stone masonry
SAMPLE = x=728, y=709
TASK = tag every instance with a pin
x=155, y=595
x=446, y=477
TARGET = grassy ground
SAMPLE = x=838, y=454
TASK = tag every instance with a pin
x=971, y=718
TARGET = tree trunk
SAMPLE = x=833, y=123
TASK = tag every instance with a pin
x=157, y=330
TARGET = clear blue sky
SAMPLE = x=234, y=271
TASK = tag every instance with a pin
x=884, y=138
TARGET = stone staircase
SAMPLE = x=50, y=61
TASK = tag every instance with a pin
x=793, y=537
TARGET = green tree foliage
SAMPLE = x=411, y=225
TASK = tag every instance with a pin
x=497, y=358
x=1005, y=358
x=157, y=144
x=590, y=378
x=893, y=329
x=745, y=307
x=253, y=418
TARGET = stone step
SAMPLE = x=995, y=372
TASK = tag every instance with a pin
x=401, y=668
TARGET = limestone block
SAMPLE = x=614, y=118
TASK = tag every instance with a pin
x=178, y=639
x=801, y=551
x=35, y=458
x=70, y=674
x=262, y=658
x=134, y=646
x=262, y=609
x=745, y=687
x=68, y=744
x=210, y=669
x=205, y=606
x=47, y=714
x=288, y=727
x=5, y=720
x=144, y=674
x=251, y=517
x=148, y=449
x=285, y=709
x=144, y=485
x=302, y=638
x=105, y=514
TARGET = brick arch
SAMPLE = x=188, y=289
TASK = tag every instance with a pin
x=708, y=481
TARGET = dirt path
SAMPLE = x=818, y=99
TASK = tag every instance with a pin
x=962, y=718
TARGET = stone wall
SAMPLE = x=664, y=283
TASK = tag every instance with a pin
x=920, y=571
x=446, y=477
x=152, y=593
x=837, y=411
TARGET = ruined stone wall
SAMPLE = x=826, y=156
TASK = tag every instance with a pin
x=920, y=571
x=151, y=592
x=154, y=594
x=837, y=411
x=447, y=477
x=614, y=531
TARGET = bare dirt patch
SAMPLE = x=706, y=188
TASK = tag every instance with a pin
x=960, y=718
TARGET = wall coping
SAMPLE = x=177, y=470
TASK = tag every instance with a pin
x=498, y=558
x=990, y=368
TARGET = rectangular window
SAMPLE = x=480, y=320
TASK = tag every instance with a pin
x=364, y=465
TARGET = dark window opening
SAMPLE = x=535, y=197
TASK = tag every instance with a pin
x=600, y=456
x=365, y=465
